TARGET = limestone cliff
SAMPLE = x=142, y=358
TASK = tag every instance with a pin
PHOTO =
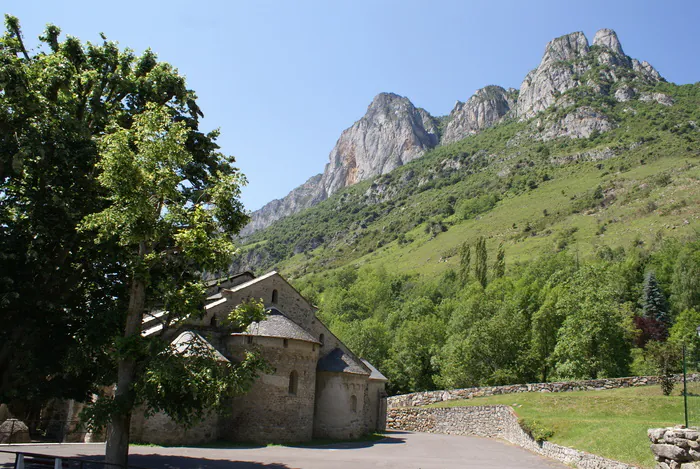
x=569, y=62
x=304, y=196
x=485, y=108
x=391, y=133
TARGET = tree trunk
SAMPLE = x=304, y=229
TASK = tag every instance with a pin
x=117, y=451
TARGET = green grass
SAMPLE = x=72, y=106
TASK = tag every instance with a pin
x=611, y=423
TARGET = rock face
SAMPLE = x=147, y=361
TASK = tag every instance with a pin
x=553, y=76
x=608, y=38
x=394, y=132
x=580, y=123
x=302, y=197
x=391, y=133
x=485, y=108
x=565, y=64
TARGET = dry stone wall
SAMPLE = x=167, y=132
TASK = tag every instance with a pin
x=675, y=448
x=492, y=422
x=430, y=397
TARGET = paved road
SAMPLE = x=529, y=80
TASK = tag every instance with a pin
x=399, y=450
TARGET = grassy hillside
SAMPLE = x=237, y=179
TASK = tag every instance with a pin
x=586, y=227
x=610, y=423
x=511, y=188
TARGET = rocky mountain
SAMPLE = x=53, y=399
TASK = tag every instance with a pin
x=304, y=196
x=393, y=131
x=390, y=134
x=569, y=62
x=488, y=106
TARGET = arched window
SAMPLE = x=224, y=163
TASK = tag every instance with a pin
x=213, y=322
x=320, y=339
x=293, y=383
x=274, y=296
x=353, y=403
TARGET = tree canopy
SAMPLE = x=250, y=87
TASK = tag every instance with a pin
x=112, y=203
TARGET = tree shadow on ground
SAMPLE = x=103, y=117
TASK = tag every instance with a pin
x=157, y=461
x=385, y=440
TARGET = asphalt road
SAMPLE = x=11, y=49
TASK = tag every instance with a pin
x=399, y=450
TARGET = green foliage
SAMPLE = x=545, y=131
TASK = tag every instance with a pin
x=684, y=332
x=666, y=357
x=499, y=266
x=465, y=260
x=594, y=340
x=245, y=313
x=115, y=203
x=536, y=429
x=469, y=208
x=480, y=267
x=685, y=285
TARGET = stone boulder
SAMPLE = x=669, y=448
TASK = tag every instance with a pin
x=624, y=93
x=14, y=431
x=663, y=99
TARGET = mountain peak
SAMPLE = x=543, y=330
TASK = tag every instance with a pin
x=391, y=133
x=608, y=38
x=486, y=107
x=567, y=47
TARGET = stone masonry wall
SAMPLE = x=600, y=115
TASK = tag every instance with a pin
x=269, y=413
x=675, y=448
x=497, y=421
x=430, y=397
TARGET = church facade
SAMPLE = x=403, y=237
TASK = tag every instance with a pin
x=318, y=389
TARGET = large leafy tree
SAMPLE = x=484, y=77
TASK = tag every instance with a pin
x=112, y=203
x=59, y=296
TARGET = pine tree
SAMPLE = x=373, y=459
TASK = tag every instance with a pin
x=499, y=267
x=465, y=260
x=480, y=269
x=655, y=320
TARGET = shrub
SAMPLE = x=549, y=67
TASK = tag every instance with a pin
x=536, y=429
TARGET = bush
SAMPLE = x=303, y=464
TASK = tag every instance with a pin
x=536, y=429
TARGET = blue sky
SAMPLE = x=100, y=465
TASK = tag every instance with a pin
x=283, y=79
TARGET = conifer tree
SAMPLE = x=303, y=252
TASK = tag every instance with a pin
x=499, y=267
x=465, y=259
x=480, y=269
x=655, y=319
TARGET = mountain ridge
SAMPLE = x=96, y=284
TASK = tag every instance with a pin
x=393, y=131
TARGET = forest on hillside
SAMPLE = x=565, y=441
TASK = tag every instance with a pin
x=623, y=311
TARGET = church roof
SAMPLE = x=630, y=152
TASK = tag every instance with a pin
x=338, y=361
x=188, y=342
x=376, y=374
x=276, y=324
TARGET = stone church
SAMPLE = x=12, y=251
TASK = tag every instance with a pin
x=319, y=388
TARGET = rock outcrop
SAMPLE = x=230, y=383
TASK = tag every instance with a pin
x=304, y=196
x=565, y=64
x=608, y=38
x=554, y=75
x=582, y=122
x=391, y=133
x=484, y=109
